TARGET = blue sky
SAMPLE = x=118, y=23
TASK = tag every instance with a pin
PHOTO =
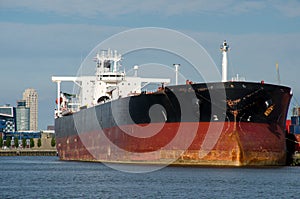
x=39, y=39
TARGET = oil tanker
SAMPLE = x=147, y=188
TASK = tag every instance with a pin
x=226, y=123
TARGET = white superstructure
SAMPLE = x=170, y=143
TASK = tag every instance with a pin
x=108, y=83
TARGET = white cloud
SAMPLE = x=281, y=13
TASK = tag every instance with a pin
x=114, y=8
x=46, y=40
x=290, y=8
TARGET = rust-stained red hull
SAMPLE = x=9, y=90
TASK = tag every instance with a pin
x=238, y=144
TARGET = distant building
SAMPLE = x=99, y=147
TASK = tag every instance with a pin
x=22, y=116
x=31, y=97
x=50, y=127
x=7, y=118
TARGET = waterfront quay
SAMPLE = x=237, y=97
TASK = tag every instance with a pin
x=28, y=152
x=296, y=159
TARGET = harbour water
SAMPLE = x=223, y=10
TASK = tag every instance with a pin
x=47, y=177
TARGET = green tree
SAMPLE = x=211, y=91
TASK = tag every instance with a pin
x=31, y=142
x=53, y=142
x=16, y=142
x=39, y=144
x=1, y=142
x=8, y=141
x=23, y=142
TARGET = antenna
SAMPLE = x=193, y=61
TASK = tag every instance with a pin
x=136, y=68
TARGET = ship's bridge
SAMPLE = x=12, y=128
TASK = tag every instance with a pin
x=112, y=77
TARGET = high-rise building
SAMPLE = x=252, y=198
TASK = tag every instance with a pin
x=7, y=118
x=31, y=97
x=22, y=116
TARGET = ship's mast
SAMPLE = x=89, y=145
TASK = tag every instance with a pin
x=224, y=49
x=176, y=73
x=104, y=60
x=278, y=74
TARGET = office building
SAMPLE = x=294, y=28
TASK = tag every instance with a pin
x=22, y=116
x=31, y=97
x=7, y=118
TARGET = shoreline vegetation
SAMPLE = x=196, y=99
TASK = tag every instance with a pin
x=44, y=146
